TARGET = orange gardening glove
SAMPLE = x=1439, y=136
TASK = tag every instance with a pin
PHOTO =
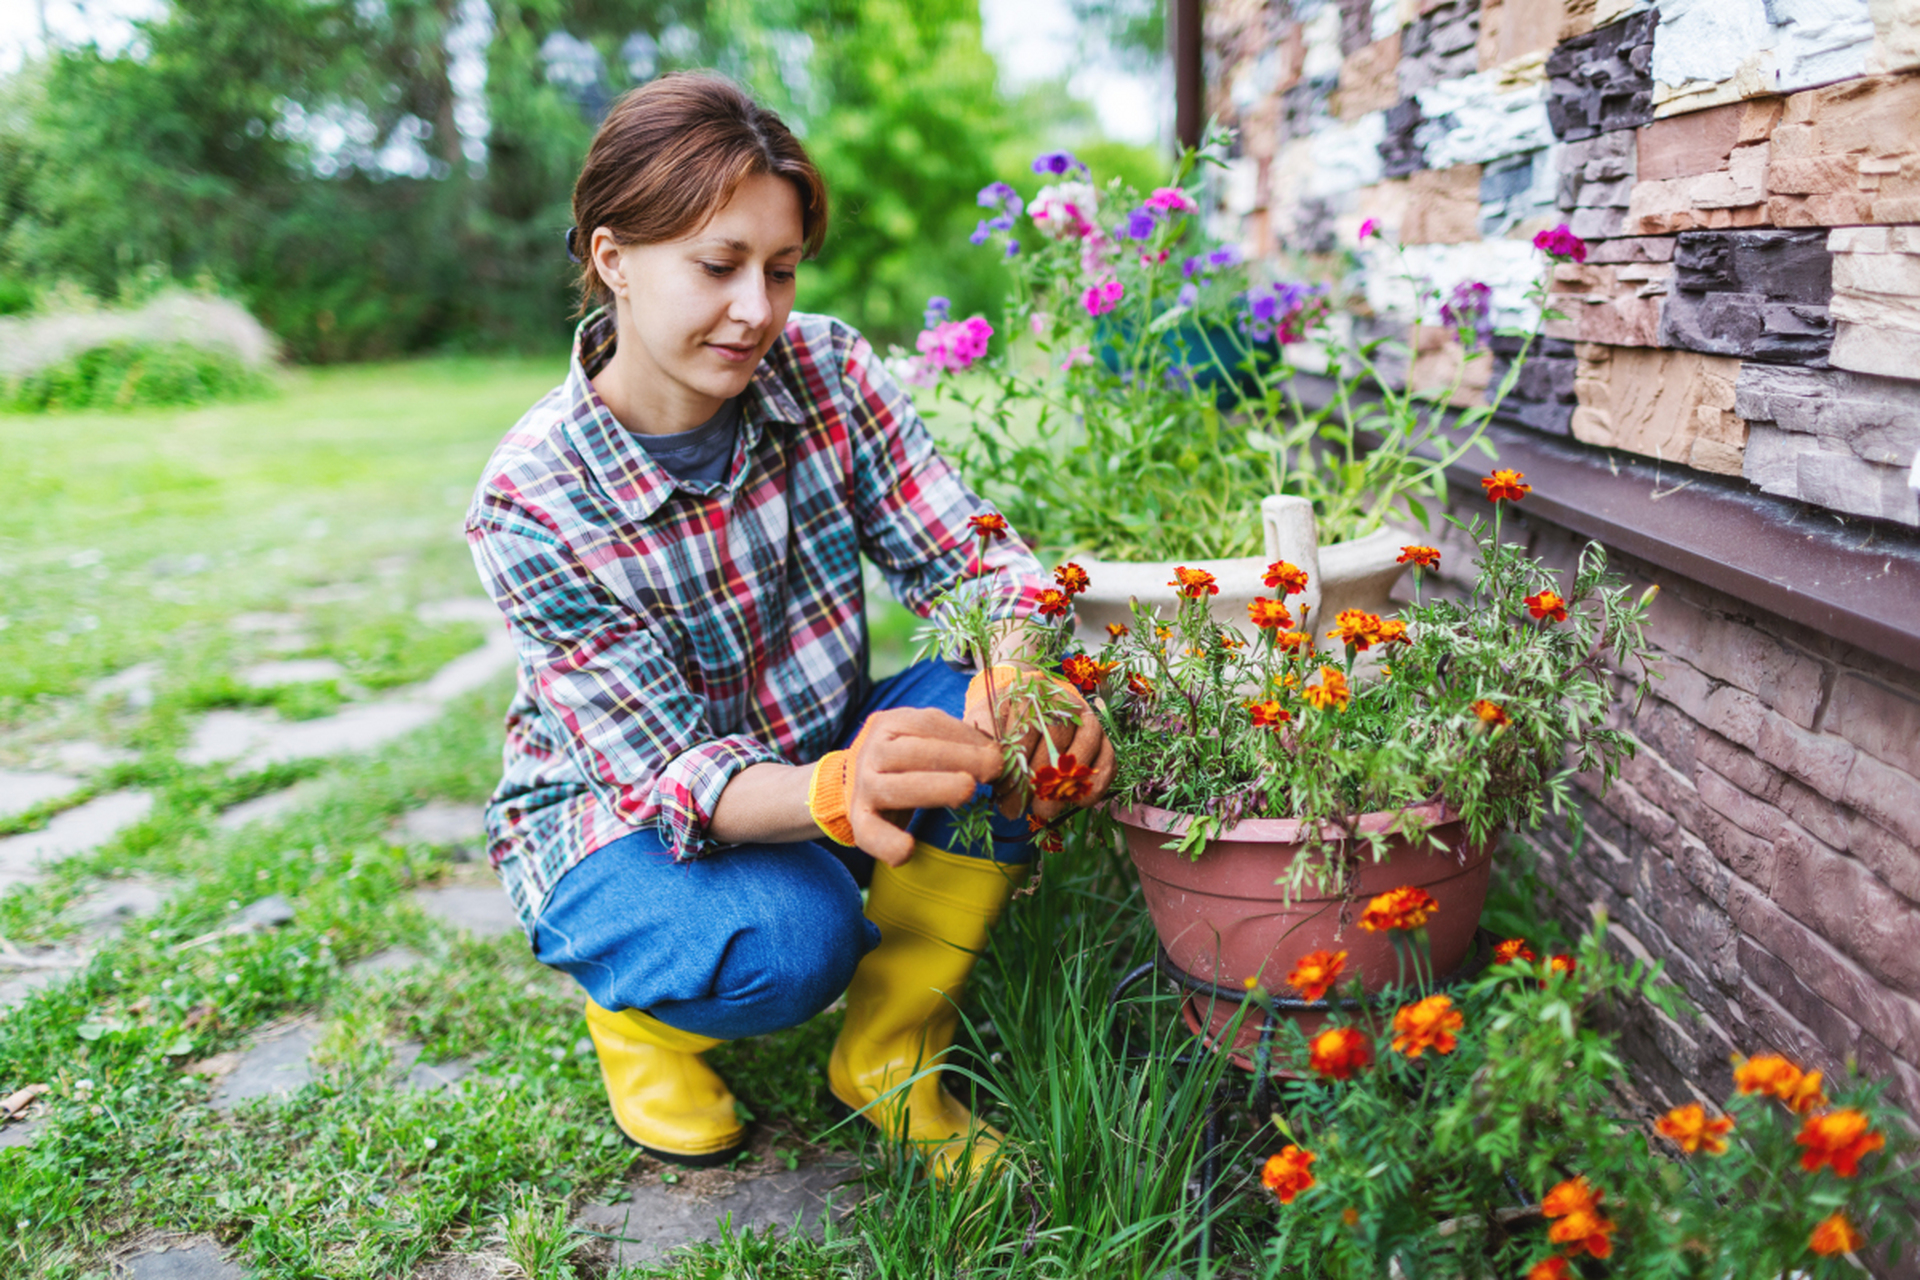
x=1080, y=736
x=904, y=759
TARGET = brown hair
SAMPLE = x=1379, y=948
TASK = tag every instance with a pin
x=670, y=154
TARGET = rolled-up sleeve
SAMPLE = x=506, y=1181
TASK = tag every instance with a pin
x=634, y=729
x=913, y=507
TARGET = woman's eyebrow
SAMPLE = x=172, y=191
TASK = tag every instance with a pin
x=741, y=246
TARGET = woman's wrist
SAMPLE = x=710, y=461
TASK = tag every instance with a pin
x=765, y=804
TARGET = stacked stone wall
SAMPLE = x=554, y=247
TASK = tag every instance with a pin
x=1747, y=175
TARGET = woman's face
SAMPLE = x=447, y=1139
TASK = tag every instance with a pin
x=698, y=313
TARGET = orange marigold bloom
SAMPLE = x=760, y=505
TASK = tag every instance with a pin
x=1292, y=641
x=1491, y=713
x=1512, y=949
x=1424, y=557
x=1044, y=837
x=1287, y=579
x=1287, y=1175
x=1552, y=1267
x=1407, y=907
x=1269, y=615
x=1316, y=972
x=1576, y=1203
x=1694, y=1131
x=1072, y=579
x=1566, y=1197
x=1504, y=486
x=1547, y=604
x=1084, y=673
x=1066, y=782
x=1350, y=1216
x=1838, y=1138
x=1332, y=691
x=1194, y=583
x=1773, y=1075
x=1268, y=715
x=1429, y=1024
x=1338, y=1052
x=1393, y=631
x=1053, y=603
x=1835, y=1235
x=988, y=527
x=1562, y=964
x=1115, y=630
x=1140, y=687
x=1805, y=1095
x=1358, y=628
x=1229, y=642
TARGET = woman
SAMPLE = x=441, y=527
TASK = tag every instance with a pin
x=697, y=766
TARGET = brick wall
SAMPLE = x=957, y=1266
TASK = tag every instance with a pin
x=1748, y=175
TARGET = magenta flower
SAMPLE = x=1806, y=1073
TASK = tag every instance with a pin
x=1171, y=200
x=1369, y=229
x=953, y=345
x=1561, y=243
x=1469, y=310
x=1076, y=356
x=1102, y=298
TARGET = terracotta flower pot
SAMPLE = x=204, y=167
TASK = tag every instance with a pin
x=1222, y=918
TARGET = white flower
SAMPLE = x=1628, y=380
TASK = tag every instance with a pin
x=1065, y=209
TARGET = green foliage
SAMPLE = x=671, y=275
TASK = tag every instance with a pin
x=135, y=375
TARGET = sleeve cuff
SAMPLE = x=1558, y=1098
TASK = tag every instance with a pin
x=690, y=786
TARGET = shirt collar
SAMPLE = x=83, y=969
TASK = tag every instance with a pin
x=629, y=473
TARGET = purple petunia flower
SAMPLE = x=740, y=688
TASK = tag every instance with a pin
x=1140, y=225
x=1225, y=256
x=995, y=194
x=1469, y=309
x=1013, y=248
x=1191, y=267
x=939, y=311
x=1058, y=162
x=981, y=233
x=1002, y=223
x=1188, y=295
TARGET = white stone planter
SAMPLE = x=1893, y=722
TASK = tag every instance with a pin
x=1347, y=575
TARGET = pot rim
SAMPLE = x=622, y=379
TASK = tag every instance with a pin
x=1148, y=817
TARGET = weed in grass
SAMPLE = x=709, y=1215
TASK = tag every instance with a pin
x=539, y=1239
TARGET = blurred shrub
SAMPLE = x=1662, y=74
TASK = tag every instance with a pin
x=132, y=375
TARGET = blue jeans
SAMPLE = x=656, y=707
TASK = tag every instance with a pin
x=753, y=938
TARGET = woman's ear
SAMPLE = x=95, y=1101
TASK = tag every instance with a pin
x=605, y=255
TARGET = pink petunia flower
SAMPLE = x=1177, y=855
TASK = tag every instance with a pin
x=1102, y=298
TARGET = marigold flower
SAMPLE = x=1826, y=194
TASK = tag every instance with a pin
x=1315, y=972
x=1562, y=963
x=1407, y=907
x=1547, y=604
x=1693, y=1130
x=1553, y=1267
x=1229, y=642
x=1267, y=715
x=1576, y=1203
x=989, y=526
x=1269, y=615
x=1838, y=1138
x=1569, y=1196
x=1072, y=579
x=1357, y=628
x=1835, y=1235
x=1286, y=1174
x=1339, y=1052
x=1044, y=837
x=1350, y=1216
x=1053, y=603
x=1292, y=641
x=1194, y=583
x=1504, y=486
x=1115, y=630
x=1332, y=691
x=1140, y=687
x=1490, y=713
x=1287, y=579
x=1066, y=782
x=1393, y=631
x=1805, y=1095
x=1512, y=949
x=1424, y=557
x=1083, y=672
x=1428, y=1024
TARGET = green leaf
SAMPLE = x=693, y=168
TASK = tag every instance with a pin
x=1167, y=320
x=93, y=1028
x=181, y=1046
x=1266, y=442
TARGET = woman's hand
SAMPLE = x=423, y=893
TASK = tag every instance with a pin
x=1073, y=727
x=903, y=759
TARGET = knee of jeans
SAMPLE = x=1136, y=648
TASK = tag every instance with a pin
x=802, y=968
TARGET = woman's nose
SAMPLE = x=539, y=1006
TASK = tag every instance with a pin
x=750, y=305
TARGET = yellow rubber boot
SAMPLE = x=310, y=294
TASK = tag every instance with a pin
x=667, y=1101
x=934, y=914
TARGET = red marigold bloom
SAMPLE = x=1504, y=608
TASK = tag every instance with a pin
x=1072, y=579
x=1547, y=604
x=1053, y=603
x=1693, y=1130
x=1552, y=1267
x=1267, y=715
x=1194, y=583
x=1316, y=972
x=1115, y=630
x=1358, y=628
x=1504, y=486
x=988, y=527
x=1774, y=1076
x=1559, y=964
x=1066, y=782
x=1428, y=1024
x=1287, y=1175
x=1835, y=1235
x=1269, y=615
x=1083, y=672
x=1407, y=907
x=1512, y=949
x=1566, y=1197
x=1140, y=687
x=1393, y=631
x=1229, y=642
x=1044, y=837
x=1424, y=557
x=1338, y=1052
x=1287, y=579
x=1838, y=1138
x=1490, y=713
x=1332, y=691
x=1292, y=641
x=1576, y=1203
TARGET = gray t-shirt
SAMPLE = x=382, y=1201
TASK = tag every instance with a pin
x=702, y=454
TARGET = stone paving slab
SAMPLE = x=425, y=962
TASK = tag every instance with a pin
x=21, y=790
x=659, y=1219
x=386, y=960
x=479, y=909
x=77, y=830
x=269, y=807
x=197, y=1259
x=443, y=824
x=271, y=1068
x=427, y=1077
x=270, y=675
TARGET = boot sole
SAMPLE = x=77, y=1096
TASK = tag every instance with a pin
x=686, y=1160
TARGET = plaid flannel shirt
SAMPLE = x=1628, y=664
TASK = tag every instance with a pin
x=669, y=633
